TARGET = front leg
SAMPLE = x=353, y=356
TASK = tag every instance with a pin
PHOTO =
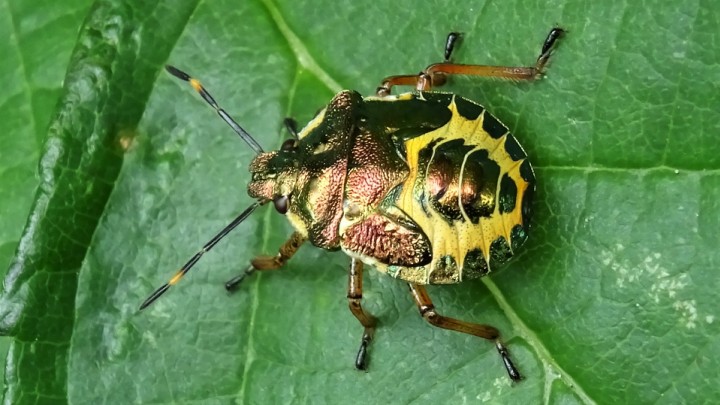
x=262, y=263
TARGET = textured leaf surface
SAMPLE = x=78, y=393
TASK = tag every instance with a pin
x=612, y=301
x=39, y=40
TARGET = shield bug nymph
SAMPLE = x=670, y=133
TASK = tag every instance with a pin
x=427, y=187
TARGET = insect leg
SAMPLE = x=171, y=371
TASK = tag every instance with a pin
x=291, y=126
x=354, y=296
x=452, y=40
x=401, y=80
x=286, y=251
x=435, y=74
x=427, y=310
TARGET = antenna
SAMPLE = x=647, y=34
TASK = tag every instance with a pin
x=210, y=100
x=190, y=263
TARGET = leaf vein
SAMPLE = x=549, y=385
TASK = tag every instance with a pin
x=299, y=50
x=534, y=341
x=23, y=69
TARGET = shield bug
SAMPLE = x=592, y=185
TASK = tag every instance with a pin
x=427, y=187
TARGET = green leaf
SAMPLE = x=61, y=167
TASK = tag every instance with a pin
x=82, y=154
x=611, y=301
x=32, y=84
x=31, y=87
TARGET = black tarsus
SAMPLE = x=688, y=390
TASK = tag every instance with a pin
x=232, y=284
x=452, y=40
x=555, y=34
x=512, y=371
x=361, y=360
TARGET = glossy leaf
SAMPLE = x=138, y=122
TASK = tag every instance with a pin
x=611, y=301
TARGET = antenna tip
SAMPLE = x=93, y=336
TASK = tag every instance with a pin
x=177, y=73
x=160, y=291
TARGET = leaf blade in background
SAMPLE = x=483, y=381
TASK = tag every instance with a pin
x=611, y=300
x=80, y=161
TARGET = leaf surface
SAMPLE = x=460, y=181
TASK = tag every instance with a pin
x=612, y=300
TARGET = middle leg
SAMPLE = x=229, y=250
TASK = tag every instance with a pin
x=354, y=296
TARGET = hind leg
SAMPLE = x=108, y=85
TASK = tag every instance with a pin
x=428, y=312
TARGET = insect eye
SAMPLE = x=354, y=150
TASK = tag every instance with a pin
x=288, y=145
x=282, y=204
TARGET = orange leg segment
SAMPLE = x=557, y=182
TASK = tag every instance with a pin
x=436, y=74
x=262, y=263
x=427, y=311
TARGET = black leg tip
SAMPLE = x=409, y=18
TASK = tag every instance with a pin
x=515, y=375
x=361, y=360
x=512, y=371
x=233, y=284
x=450, y=43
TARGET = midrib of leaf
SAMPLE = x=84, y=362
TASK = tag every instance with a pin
x=299, y=50
x=671, y=130
x=250, y=352
x=548, y=362
x=604, y=77
x=306, y=60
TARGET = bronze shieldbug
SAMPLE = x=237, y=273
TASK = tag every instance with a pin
x=427, y=187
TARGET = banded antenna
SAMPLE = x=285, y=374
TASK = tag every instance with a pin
x=240, y=218
x=210, y=100
x=190, y=263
